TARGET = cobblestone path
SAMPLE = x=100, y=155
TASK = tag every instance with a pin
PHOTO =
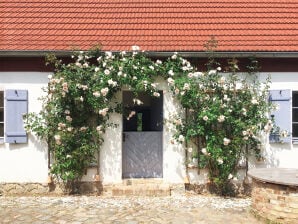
x=130, y=210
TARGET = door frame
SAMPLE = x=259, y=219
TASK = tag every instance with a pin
x=161, y=134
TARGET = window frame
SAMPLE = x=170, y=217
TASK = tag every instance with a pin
x=293, y=122
x=2, y=107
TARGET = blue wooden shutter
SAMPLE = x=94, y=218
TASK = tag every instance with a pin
x=282, y=116
x=16, y=105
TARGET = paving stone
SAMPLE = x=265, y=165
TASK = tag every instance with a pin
x=171, y=209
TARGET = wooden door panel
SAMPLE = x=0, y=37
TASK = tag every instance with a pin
x=142, y=155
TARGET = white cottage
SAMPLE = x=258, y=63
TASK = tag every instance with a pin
x=30, y=30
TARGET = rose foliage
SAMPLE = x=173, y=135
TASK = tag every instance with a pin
x=225, y=111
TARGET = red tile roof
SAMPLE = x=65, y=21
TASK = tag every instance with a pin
x=154, y=25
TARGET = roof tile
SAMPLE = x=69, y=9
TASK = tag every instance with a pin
x=155, y=25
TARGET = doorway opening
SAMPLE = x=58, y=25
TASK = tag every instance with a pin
x=142, y=136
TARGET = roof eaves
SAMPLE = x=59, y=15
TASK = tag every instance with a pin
x=164, y=54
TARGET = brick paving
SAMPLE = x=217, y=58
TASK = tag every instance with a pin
x=131, y=210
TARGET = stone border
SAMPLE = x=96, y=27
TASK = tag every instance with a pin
x=275, y=203
x=94, y=187
x=282, y=176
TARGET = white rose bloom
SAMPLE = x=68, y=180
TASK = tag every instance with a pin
x=81, y=99
x=220, y=161
x=284, y=134
x=110, y=82
x=96, y=94
x=151, y=67
x=153, y=85
x=186, y=86
x=197, y=74
x=190, y=75
x=254, y=101
x=104, y=91
x=83, y=128
x=78, y=64
x=68, y=118
x=107, y=71
x=171, y=81
x=204, y=151
x=189, y=149
x=137, y=101
x=218, y=69
x=205, y=118
x=174, y=56
x=99, y=129
x=181, y=138
x=230, y=176
x=244, y=111
x=96, y=69
x=103, y=112
x=226, y=141
x=221, y=118
x=156, y=94
x=212, y=72
x=266, y=128
x=108, y=54
x=171, y=73
x=159, y=62
x=84, y=87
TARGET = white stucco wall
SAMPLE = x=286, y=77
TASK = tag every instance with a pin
x=24, y=162
x=28, y=162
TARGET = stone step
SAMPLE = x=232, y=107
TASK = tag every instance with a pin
x=138, y=187
x=141, y=190
x=142, y=181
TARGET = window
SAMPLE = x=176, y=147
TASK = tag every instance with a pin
x=14, y=104
x=283, y=116
x=1, y=116
x=295, y=115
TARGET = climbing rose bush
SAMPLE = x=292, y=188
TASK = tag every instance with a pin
x=80, y=97
x=225, y=112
